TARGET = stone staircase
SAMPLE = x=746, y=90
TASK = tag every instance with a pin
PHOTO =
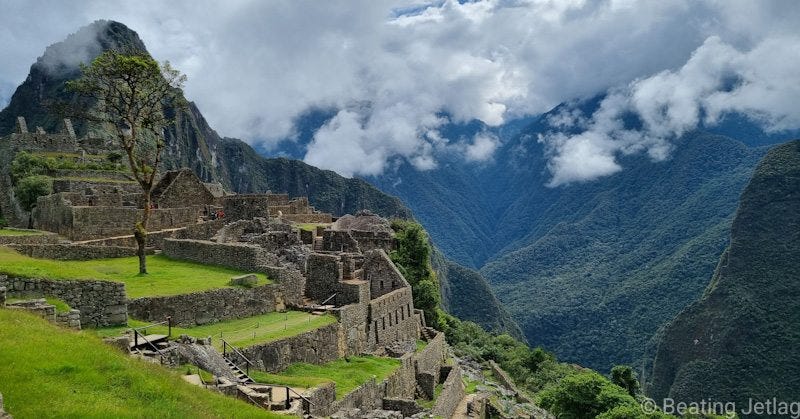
x=240, y=375
x=428, y=333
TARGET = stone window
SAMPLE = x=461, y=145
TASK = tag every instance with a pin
x=383, y=322
x=381, y=285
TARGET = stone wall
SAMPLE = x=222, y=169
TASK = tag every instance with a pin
x=430, y=359
x=323, y=274
x=96, y=187
x=391, y=319
x=339, y=241
x=353, y=320
x=71, y=319
x=315, y=347
x=54, y=213
x=382, y=274
x=101, y=303
x=451, y=395
x=2, y=293
x=401, y=384
x=308, y=218
x=233, y=255
x=371, y=240
x=47, y=238
x=322, y=398
x=184, y=187
x=245, y=207
x=3, y=413
x=91, y=174
x=206, y=307
x=74, y=251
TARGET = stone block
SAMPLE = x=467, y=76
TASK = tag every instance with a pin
x=248, y=281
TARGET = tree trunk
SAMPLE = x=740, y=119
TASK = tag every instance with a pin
x=140, y=233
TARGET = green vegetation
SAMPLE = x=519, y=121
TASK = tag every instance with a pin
x=61, y=307
x=413, y=258
x=30, y=188
x=240, y=332
x=41, y=163
x=130, y=90
x=189, y=369
x=347, y=373
x=95, y=180
x=52, y=372
x=19, y=232
x=168, y=276
x=750, y=306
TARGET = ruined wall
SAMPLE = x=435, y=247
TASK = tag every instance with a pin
x=382, y=274
x=451, y=395
x=369, y=240
x=391, y=319
x=323, y=274
x=315, y=347
x=185, y=188
x=96, y=187
x=233, y=255
x=206, y=307
x=402, y=383
x=32, y=239
x=321, y=218
x=245, y=207
x=74, y=251
x=352, y=291
x=430, y=359
x=353, y=320
x=92, y=174
x=54, y=213
x=101, y=303
x=322, y=399
x=339, y=241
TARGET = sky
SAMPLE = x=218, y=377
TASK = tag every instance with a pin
x=393, y=73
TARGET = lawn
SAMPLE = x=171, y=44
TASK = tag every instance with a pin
x=240, y=332
x=48, y=371
x=347, y=373
x=311, y=226
x=166, y=276
x=15, y=232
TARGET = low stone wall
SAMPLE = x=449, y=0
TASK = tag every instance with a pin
x=70, y=319
x=451, y=395
x=428, y=364
x=74, y=251
x=401, y=384
x=406, y=407
x=91, y=174
x=308, y=218
x=46, y=238
x=315, y=347
x=206, y=307
x=322, y=398
x=233, y=255
x=101, y=303
x=2, y=293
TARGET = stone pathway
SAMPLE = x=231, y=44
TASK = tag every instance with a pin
x=462, y=410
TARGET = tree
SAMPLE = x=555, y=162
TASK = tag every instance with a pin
x=29, y=189
x=585, y=394
x=131, y=92
x=623, y=376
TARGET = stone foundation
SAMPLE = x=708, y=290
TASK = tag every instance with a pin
x=315, y=347
x=75, y=251
x=206, y=307
x=101, y=303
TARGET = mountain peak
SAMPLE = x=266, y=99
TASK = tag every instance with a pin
x=63, y=58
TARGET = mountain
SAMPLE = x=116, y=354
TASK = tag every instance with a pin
x=590, y=270
x=192, y=143
x=739, y=341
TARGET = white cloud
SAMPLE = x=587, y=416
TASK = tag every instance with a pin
x=761, y=83
x=392, y=68
x=482, y=147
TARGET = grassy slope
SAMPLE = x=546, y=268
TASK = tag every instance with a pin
x=51, y=372
x=240, y=332
x=166, y=276
x=740, y=340
x=346, y=373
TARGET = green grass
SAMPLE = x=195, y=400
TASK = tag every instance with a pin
x=16, y=232
x=189, y=369
x=346, y=373
x=421, y=344
x=52, y=372
x=470, y=386
x=311, y=226
x=166, y=276
x=94, y=179
x=240, y=332
x=61, y=307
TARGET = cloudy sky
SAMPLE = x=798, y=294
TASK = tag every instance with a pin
x=395, y=71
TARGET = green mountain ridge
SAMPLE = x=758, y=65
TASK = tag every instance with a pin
x=738, y=342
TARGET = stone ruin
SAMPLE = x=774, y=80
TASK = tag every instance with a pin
x=342, y=267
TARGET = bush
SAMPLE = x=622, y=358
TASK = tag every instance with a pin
x=586, y=395
x=3, y=223
x=32, y=187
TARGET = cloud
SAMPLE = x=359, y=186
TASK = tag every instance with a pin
x=391, y=69
x=482, y=147
x=761, y=83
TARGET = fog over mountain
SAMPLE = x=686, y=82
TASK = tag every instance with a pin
x=393, y=74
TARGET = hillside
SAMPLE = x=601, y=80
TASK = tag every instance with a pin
x=739, y=340
x=52, y=372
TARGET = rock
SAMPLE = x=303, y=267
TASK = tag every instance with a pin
x=249, y=280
